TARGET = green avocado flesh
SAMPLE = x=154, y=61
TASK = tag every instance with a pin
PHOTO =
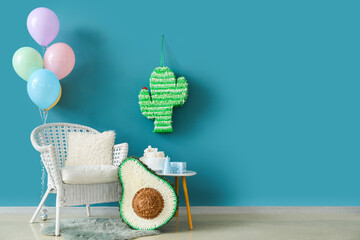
x=148, y=201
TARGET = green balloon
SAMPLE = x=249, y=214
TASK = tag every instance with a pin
x=27, y=60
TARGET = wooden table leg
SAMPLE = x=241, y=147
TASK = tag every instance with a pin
x=187, y=203
x=177, y=192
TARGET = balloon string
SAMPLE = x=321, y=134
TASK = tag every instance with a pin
x=162, y=51
x=43, y=54
x=42, y=179
x=43, y=208
x=43, y=115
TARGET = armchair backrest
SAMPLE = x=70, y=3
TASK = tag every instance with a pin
x=56, y=134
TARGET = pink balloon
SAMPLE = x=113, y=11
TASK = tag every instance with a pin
x=43, y=25
x=60, y=59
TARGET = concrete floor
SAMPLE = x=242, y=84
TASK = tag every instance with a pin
x=230, y=226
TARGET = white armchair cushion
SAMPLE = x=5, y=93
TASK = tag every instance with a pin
x=92, y=174
x=86, y=149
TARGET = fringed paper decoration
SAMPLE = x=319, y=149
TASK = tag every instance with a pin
x=166, y=93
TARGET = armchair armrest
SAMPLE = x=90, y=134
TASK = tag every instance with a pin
x=120, y=153
x=51, y=164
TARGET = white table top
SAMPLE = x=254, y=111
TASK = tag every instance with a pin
x=184, y=174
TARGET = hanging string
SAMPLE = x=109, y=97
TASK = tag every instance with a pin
x=43, y=173
x=43, y=115
x=43, y=211
x=42, y=112
x=162, y=51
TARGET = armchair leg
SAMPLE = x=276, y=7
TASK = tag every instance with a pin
x=57, y=221
x=40, y=205
x=88, y=210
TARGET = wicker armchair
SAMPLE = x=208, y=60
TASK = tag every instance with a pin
x=51, y=141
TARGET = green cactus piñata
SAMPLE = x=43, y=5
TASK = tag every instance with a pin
x=166, y=93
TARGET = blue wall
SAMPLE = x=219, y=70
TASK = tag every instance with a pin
x=272, y=116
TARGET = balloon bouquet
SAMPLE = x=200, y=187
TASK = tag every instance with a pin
x=42, y=76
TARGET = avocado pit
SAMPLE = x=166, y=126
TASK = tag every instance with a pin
x=148, y=203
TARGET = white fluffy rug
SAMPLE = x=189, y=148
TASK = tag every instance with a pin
x=95, y=229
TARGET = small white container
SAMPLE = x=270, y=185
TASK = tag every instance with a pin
x=155, y=164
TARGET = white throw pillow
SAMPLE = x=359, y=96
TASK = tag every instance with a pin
x=90, y=149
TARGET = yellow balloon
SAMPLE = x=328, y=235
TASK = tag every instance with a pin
x=57, y=100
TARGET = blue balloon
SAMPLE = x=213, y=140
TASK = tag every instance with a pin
x=43, y=88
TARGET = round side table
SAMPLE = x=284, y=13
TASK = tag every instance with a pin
x=183, y=176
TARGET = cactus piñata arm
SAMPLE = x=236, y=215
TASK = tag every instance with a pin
x=145, y=103
x=166, y=93
x=182, y=91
